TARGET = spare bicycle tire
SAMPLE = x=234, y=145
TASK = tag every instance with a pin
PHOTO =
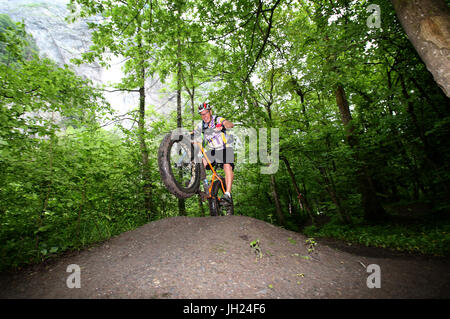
x=165, y=169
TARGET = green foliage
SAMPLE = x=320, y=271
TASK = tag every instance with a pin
x=311, y=243
x=430, y=239
x=83, y=196
x=14, y=42
x=292, y=241
x=256, y=248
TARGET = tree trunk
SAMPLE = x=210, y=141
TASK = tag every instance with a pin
x=428, y=151
x=301, y=199
x=276, y=198
x=305, y=197
x=181, y=202
x=141, y=136
x=427, y=24
x=179, y=118
x=331, y=190
x=80, y=209
x=301, y=93
x=373, y=211
x=49, y=184
x=144, y=152
x=192, y=95
x=200, y=205
x=432, y=156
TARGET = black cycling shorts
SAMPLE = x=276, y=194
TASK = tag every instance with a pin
x=220, y=157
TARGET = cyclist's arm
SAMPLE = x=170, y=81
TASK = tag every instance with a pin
x=227, y=124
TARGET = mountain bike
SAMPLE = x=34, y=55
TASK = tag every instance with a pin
x=182, y=172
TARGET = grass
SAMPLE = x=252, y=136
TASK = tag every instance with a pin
x=424, y=238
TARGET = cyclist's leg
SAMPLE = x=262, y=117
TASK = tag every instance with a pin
x=227, y=158
x=229, y=176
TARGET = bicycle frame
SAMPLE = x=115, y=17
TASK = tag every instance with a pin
x=212, y=169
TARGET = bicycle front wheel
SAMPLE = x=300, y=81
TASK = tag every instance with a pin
x=177, y=167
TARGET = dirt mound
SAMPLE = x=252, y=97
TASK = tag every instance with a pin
x=212, y=257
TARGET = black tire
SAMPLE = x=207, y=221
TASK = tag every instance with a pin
x=179, y=185
x=216, y=207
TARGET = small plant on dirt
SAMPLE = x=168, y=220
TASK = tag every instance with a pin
x=311, y=244
x=292, y=241
x=255, y=245
x=306, y=257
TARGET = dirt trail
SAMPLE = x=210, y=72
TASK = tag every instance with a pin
x=211, y=257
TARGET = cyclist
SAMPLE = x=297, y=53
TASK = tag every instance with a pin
x=221, y=151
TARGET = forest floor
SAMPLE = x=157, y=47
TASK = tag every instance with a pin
x=211, y=257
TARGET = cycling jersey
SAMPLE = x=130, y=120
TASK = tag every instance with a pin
x=216, y=140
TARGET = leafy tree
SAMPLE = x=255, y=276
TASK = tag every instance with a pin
x=38, y=100
x=125, y=30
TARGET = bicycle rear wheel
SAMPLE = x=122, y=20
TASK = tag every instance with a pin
x=216, y=206
x=179, y=171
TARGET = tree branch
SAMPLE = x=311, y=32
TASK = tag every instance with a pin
x=119, y=90
x=269, y=27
